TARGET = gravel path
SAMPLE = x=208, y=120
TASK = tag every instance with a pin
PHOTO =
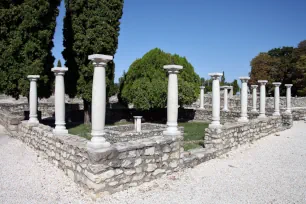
x=272, y=170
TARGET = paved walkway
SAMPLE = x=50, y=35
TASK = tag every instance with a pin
x=272, y=170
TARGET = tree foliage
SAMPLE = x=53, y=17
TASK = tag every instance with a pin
x=26, y=32
x=236, y=87
x=90, y=27
x=59, y=64
x=285, y=65
x=145, y=83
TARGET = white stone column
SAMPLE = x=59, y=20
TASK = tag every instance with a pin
x=288, y=97
x=202, y=97
x=172, y=100
x=231, y=93
x=225, y=98
x=60, y=125
x=98, y=102
x=276, y=98
x=215, y=100
x=137, y=120
x=262, y=109
x=244, y=100
x=33, y=99
x=254, y=98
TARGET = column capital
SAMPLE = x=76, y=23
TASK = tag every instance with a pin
x=254, y=86
x=224, y=87
x=100, y=60
x=215, y=76
x=202, y=87
x=172, y=68
x=33, y=77
x=288, y=85
x=244, y=79
x=262, y=82
x=59, y=70
x=276, y=84
x=137, y=117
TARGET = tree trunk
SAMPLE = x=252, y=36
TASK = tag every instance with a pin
x=86, y=112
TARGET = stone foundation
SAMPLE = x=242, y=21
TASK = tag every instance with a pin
x=130, y=163
x=123, y=165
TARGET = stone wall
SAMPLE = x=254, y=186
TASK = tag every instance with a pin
x=123, y=165
x=130, y=163
x=231, y=135
x=234, y=134
x=234, y=102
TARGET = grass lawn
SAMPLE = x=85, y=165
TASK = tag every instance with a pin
x=193, y=133
x=83, y=130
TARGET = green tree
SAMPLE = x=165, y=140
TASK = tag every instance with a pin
x=27, y=29
x=263, y=68
x=202, y=81
x=90, y=27
x=145, y=83
x=59, y=64
x=235, y=86
x=222, y=80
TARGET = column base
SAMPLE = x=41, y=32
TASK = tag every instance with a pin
x=262, y=116
x=243, y=120
x=171, y=133
x=254, y=111
x=276, y=114
x=98, y=141
x=225, y=110
x=215, y=125
x=33, y=121
x=201, y=108
x=288, y=112
x=60, y=131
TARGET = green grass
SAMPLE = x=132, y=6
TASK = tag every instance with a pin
x=84, y=130
x=81, y=130
x=194, y=130
x=194, y=133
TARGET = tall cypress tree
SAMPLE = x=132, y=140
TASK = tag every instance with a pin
x=90, y=27
x=27, y=29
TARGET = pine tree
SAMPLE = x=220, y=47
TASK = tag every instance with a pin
x=90, y=27
x=235, y=86
x=59, y=64
x=222, y=80
x=27, y=29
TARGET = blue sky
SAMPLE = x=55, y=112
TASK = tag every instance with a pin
x=215, y=36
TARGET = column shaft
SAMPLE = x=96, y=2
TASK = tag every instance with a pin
x=33, y=99
x=98, y=102
x=201, y=97
x=172, y=100
x=262, y=109
x=244, y=100
x=276, y=99
x=215, y=101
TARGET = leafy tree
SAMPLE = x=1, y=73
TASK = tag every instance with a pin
x=59, y=64
x=235, y=86
x=263, y=68
x=90, y=27
x=145, y=83
x=283, y=65
x=202, y=81
x=27, y=28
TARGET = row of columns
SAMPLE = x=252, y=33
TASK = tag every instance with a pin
x=244, y=99
x=99, y=101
